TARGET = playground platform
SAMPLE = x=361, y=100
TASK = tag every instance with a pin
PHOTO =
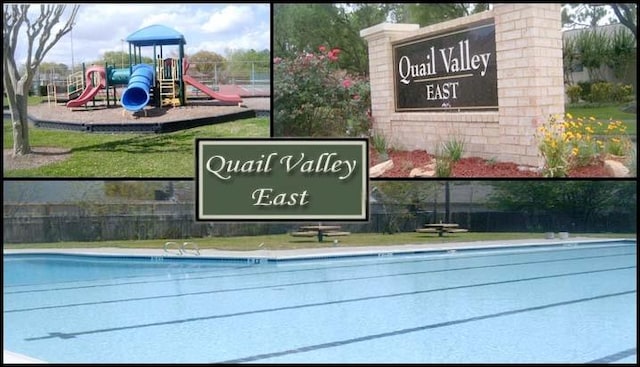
x=100, y=118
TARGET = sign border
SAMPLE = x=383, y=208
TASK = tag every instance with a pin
x=422, y=38
x=363, y=216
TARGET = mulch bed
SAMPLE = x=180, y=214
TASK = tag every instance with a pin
x=405, y=161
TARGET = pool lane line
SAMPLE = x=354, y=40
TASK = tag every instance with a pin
x=616, y=356
x=282, y=285
x=122, y=277
x=299, y=270
x=372, y=256
x=70, y=335
x=270, y=286
x=338, y=343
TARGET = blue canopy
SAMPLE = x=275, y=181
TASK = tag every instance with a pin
x=156, y=35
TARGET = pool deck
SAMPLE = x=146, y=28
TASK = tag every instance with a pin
x=330, y=250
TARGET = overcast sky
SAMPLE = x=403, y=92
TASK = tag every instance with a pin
x=211, y=27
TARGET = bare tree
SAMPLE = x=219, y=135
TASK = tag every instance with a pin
x=39, y=41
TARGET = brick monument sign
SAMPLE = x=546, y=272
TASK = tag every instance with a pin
x=489, y=79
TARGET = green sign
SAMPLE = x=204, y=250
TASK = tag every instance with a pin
x=282, y=179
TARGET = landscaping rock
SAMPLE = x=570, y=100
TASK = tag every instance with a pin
x=426, y=171
x=615, y=168
x=380, y=168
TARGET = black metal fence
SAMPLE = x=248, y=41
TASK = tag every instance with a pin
x=47, y=224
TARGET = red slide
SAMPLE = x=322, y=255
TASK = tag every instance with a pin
x=91, y=90
x=231, y=98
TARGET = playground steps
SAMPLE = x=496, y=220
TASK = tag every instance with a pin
x=75, y=84
x=168, y=92
x=52, y=96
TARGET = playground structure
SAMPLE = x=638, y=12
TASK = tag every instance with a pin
x=160, y=84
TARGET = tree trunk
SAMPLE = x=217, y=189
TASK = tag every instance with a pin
x=20, y=122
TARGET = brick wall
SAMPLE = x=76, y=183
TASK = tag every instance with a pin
x=530, y=86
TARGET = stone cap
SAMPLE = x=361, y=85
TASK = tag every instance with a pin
x=387, y=29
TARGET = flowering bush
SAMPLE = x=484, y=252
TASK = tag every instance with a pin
x=554, y=148
x=313, y=97
x=574, y=142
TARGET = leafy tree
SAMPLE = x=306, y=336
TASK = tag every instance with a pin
x=119, y=59
x=566, y=201
x=136, y=190
x=302, y=28
x=402, y=199
x=590, y=15
x=39, y=41
x=583, y=15
x=207, y=62
x=47, y=68
x=593, y=47
x=305, y=27
x=246, y=63
x=426, y=14
x=621, y=52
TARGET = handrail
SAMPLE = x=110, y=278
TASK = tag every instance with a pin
x=193, y=244
x=168, y=243
x=183, y=249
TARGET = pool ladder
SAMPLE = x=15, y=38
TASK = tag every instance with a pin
x=183, y=249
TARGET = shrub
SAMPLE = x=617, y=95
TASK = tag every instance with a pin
x=454, y=148
x=601, y=92
x=574, y=92
x=622, y=93
x=313, y=97
x=379, y=143
x=585, y=90
x=444, y=164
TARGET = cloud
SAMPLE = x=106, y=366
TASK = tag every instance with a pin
x=205, y=26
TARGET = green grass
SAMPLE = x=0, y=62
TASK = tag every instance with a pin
x=31, y=101
x=129, y=155
x=287, y=242
x=604, y=114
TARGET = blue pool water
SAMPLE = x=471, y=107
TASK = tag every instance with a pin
x=555, y=304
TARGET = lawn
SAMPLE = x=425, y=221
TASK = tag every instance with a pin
x=286, y=242
x=604, y=114
x=129, y=155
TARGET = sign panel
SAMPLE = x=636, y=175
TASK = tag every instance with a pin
x=455, y=71
x=282, y=179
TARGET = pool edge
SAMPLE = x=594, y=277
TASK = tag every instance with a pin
x=317, y=253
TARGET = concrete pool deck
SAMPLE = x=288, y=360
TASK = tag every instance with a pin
x=306, y=253
x=329, y=249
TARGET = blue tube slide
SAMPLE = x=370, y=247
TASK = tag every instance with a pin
x=136, y=96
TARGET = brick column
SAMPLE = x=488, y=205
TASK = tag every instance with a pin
x=530, y=80
x=379, y=40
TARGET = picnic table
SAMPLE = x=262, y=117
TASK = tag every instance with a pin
x=319, y=231
x=441, y=228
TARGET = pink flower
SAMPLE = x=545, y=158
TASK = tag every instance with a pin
x=356, y=97
x=347, y=83
x=277, y=60
x=322, y=48
x=333, y=54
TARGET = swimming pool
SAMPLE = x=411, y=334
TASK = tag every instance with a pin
x=559, y=304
